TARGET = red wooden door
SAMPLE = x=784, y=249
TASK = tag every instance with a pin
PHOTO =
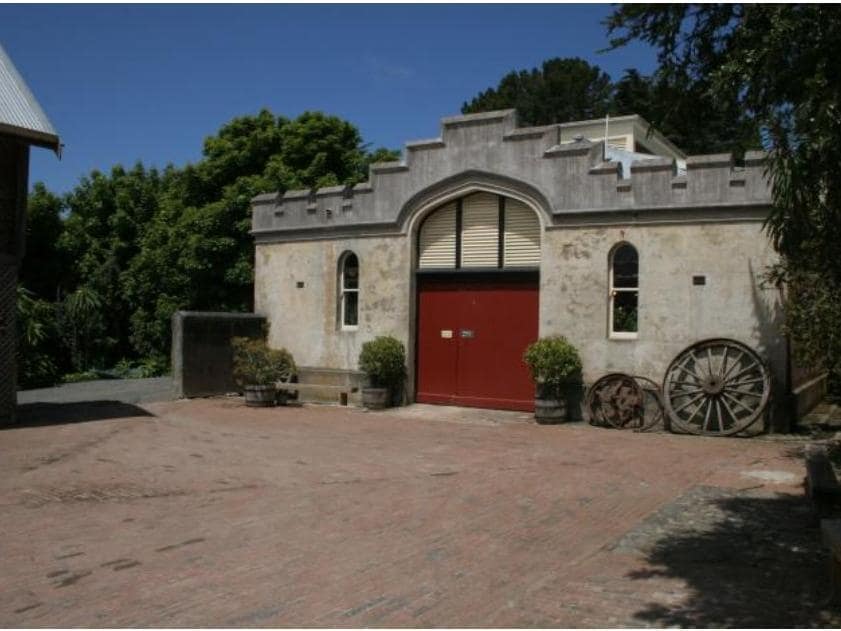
x=471, y=338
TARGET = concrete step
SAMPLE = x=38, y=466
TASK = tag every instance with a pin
x=322, y=393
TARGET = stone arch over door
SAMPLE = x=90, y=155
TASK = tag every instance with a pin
x=495, y=269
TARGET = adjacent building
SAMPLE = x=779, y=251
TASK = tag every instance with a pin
x=23, y=124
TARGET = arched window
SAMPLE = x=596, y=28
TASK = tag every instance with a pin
x=481, y=231
x=624, y=291
x=349, y=291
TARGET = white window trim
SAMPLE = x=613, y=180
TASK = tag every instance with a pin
x=344, y=291
x=612, y=291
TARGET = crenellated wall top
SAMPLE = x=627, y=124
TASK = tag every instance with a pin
x=570, y=183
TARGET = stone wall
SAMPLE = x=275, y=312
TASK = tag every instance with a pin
x=202, y=359
x=296, y=288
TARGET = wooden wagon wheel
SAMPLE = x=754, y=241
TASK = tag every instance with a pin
x=617, y=400
x=717, y=387
x=653, y=413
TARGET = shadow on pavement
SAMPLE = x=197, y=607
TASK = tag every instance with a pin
x=42, y=414
x=747, y=560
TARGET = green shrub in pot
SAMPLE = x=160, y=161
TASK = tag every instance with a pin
x=257, y=368
x=555, y=367
x=383, y=360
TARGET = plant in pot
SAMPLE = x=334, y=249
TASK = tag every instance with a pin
x=383, y=360
x=257, y=368
x=556, y=370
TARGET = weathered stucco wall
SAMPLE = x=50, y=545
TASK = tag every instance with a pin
x=305, y=319
x=704, y=222
x=673, y=312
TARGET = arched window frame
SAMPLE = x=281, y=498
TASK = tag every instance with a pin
x=615, y=292
x=348, y=307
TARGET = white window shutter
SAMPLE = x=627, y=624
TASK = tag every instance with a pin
x=438, y=239
x=480, y=231
x=522, y=235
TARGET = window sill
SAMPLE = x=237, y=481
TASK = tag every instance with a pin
x=623, y=337
x=348, y=329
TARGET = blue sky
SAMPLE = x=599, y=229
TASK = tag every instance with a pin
x=123, y=83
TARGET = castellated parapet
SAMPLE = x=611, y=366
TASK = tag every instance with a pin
x=569, y=183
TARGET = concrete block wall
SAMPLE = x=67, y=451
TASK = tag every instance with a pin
x=202, y=358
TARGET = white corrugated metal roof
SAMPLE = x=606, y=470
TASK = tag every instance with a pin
x=20, y=114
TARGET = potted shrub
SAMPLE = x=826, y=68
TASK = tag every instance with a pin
x=383, y=360
x=257, y=368
x=556, y=369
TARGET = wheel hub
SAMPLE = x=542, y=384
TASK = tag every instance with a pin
x=713, y=385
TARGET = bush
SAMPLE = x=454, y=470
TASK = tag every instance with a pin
x=383, y=359
x=553, y=363
x=140, y=369
x=255, y=364
x=37, y=343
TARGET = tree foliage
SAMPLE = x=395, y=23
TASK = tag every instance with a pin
x=560, y=90
x=570, y=89
x=778, y=64
x=125, y=249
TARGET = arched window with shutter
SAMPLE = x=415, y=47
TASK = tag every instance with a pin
x=481, y=231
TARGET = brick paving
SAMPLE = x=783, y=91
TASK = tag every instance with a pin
x=206, y=513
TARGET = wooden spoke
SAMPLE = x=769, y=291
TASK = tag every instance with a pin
x=758, y=395
x=735, y=363
x=683, y=393
x=730, y=411
x=724, y=363
x=707, y=415
x=720, y=419
x=688, y=403
x=743, y=383
x=677, y=382
x=737, y=402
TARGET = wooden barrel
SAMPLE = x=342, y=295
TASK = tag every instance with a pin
x=548, y=411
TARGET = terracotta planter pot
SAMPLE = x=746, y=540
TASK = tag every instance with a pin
x=260, y=396
x=376, y=398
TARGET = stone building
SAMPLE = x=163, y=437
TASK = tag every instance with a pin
x=22, y=124
x=491, y=235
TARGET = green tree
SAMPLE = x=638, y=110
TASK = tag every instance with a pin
x=561, y=90
x=197, y=252
x=107, y=216
x=564, y=90
x=674, y=101
x=779, y=64
x=37, y=363
x=44, y=267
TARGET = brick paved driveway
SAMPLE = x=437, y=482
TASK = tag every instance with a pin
x=205, y=513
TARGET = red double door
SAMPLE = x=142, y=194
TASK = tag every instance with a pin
x=472, y=332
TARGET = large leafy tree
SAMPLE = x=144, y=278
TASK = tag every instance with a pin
x=560, y=90
x=125, y=249
x=779, y=64
x=675, y=102
x=44, y=267
x=197, y=252
x=569, y=89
